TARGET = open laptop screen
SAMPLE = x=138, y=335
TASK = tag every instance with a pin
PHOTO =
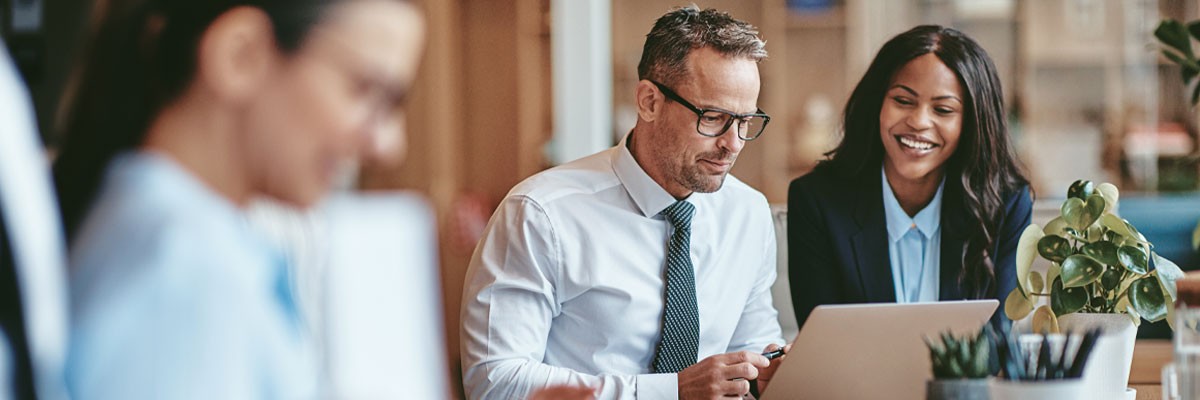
x=870, y=351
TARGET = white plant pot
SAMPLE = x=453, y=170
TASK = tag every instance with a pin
x=1106, y=376
x=1061, y=389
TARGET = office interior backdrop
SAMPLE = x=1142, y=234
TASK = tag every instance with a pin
x=511, y=87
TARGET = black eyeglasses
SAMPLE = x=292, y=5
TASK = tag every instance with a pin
x=713, y=122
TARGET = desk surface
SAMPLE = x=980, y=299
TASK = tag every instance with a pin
x=1148, y=391
x=1145, y=374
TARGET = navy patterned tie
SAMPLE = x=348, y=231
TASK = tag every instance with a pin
x=681, y=321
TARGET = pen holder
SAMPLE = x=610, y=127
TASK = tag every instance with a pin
x=1060, y=389
x=1180, y=381
x=1043, y=366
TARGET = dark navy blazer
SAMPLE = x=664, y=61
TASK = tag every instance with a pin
x=838, y=246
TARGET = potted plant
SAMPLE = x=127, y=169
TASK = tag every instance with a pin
x=1103, y=274
x=960, y=367
x=1177, y=39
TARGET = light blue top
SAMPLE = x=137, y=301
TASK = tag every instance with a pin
x=913, y=246
x=174, y=297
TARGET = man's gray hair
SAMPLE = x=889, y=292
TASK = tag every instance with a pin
x=678, y=32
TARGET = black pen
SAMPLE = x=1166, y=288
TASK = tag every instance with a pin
x=771, y=355
x=1084, y=351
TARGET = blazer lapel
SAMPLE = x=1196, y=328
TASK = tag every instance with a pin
x=953, y=218
x=870, y=243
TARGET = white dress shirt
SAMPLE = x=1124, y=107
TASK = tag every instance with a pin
x=566, y=286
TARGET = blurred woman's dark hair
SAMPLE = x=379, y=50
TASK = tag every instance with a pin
x=983, y=168
x=141, y=56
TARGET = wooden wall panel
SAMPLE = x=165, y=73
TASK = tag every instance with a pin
x=478, y=118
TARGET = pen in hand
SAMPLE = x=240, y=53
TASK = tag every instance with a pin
x=770, y=355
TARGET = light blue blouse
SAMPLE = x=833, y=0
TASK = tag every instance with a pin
x=173, y=296
x=914, y=245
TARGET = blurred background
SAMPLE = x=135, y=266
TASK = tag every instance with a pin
x=511, y=87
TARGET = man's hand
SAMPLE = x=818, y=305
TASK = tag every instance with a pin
x=722, y=375
x=564, y=392
x=765, y=374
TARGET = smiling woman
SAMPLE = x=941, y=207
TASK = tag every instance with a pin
x=920, y=123
x=924, y=199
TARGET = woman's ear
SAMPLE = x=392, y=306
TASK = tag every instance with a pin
x=649, y=101
x=237, y=53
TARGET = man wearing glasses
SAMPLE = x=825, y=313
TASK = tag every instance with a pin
x=642, y=271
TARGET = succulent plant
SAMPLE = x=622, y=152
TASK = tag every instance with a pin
x=1099, y=263
x=966, y=357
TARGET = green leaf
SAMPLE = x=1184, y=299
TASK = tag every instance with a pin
x=1169, y=296
x=1188, y=73
x=1121, y=227
x=1115, y=224
x=1111, y=278
x=1171, y=315
x=1036, y=284
x=1081, y=189
x=1184, y=64
x=1017, y=305
x=1167, y=273
x=1079, y=214
x=1044, y=321
x=1133, y=259
x=1092, y=234
x=1053, y=272
x=1026, y=249
x=1055, y=226
x=1111, y=195
x=1196, y=237
x=1113, y=236
x=1054, y=248
x=1194, y=28
x=1146, y=296
x=1079, y=270
x=1072, y=218
x=1134, y=316
x=1103, y=251
x=1172, y=33
x=1095, y=233
x=1066, y=300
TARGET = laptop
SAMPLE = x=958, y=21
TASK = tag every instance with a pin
x=870, y=351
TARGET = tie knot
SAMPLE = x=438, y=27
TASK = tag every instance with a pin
x=680, y=214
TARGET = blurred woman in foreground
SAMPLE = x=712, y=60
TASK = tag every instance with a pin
x=184, y=111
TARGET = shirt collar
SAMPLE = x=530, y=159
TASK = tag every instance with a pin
x=650, y=198
x=928, y=220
